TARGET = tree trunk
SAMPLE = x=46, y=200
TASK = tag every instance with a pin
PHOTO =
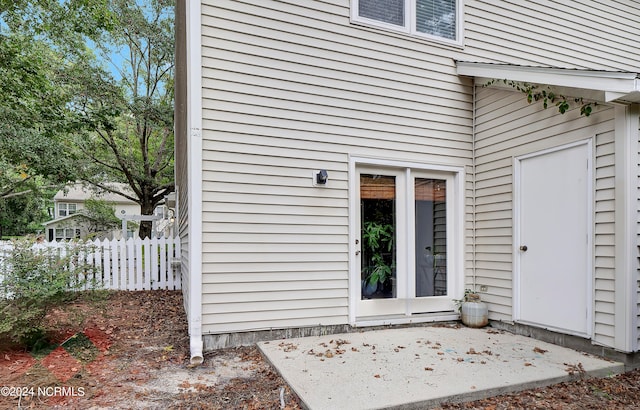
x=146, y=227
x=145, y=230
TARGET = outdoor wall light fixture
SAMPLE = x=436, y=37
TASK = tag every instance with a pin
x=320, y=177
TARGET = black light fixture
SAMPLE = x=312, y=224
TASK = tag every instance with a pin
x=322, y=177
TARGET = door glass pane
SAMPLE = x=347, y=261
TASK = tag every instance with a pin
x=378, y=235
x=387, y=11
x=431, y=237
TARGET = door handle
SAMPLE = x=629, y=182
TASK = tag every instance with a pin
x=523, y=248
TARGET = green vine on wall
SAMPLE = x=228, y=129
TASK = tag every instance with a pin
x=547, y=96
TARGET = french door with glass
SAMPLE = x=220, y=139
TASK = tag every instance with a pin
x=404, y=245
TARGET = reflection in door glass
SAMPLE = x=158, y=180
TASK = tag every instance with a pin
x=431, y=237
x=378, y=235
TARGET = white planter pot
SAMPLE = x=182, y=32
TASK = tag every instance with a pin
x=474, y=314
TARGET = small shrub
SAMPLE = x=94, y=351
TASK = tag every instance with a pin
x=33, y=280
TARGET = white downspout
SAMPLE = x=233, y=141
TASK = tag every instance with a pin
x=194, y=153
x=473, y=167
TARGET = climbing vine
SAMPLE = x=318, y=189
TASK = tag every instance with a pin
x=547, y=96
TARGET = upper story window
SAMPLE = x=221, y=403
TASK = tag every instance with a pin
x=434, y=19
x=66, y=209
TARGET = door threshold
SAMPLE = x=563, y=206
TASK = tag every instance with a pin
x=390, y=320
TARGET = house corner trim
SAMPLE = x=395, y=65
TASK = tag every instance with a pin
x=626, y=253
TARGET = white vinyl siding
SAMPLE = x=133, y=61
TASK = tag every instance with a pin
x=508, y=127
x=313, y=91
x=604, y=239
x=290, y=87
x=588, y=34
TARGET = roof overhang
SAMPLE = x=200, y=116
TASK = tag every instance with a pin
x=77, y=215
x=606, y=86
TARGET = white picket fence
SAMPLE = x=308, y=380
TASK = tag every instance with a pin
x=126, y=264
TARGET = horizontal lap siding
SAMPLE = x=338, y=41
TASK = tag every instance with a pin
x=587, y=34
x=292, y=87
x=604, y=263
x=508, y=127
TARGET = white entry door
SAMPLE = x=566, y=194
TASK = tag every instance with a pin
x=553, y=281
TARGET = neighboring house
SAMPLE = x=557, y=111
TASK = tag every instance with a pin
x=465, y=186
x=72, y=221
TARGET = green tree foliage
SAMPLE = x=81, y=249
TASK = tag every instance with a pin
x=110, y=77
x=129, y=135
x=102, y=215
x=33, y=112
x=24, y=212
x=36, y=122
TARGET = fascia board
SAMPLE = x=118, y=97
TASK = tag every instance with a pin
x=608, y=81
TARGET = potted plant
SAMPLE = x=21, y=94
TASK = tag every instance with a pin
x=378, y=261
x=473, y=311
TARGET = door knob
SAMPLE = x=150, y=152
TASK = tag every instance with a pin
x=523, y=248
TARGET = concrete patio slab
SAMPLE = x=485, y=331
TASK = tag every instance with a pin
x=422, y=367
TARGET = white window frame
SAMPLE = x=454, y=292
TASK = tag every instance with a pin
x=64, y=207
x=65, y=234
x=410, y=22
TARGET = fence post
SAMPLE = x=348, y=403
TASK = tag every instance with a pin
x=162, y=247
x=155, y=275
x=176, y=269
x=131, y=274
x=98, y=273
x=146, y=252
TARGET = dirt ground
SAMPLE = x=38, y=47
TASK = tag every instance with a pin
x=131, y=350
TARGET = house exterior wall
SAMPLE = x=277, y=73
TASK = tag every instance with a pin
x=314, y=91
x=591, y=34
x=507, y=127
x=289, y=87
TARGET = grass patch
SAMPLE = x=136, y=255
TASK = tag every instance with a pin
x=81, y=347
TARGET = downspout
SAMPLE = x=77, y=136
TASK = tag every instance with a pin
x=473, y=175
x=194, y=149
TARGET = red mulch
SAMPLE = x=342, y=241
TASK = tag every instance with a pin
x=129, y=346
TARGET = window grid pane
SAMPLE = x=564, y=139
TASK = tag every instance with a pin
x=386, y=11
x=436, y=18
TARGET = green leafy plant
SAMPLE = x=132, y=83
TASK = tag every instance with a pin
x=33, y=280
x=547, y=96
x=378, y=239
x=469, y=296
